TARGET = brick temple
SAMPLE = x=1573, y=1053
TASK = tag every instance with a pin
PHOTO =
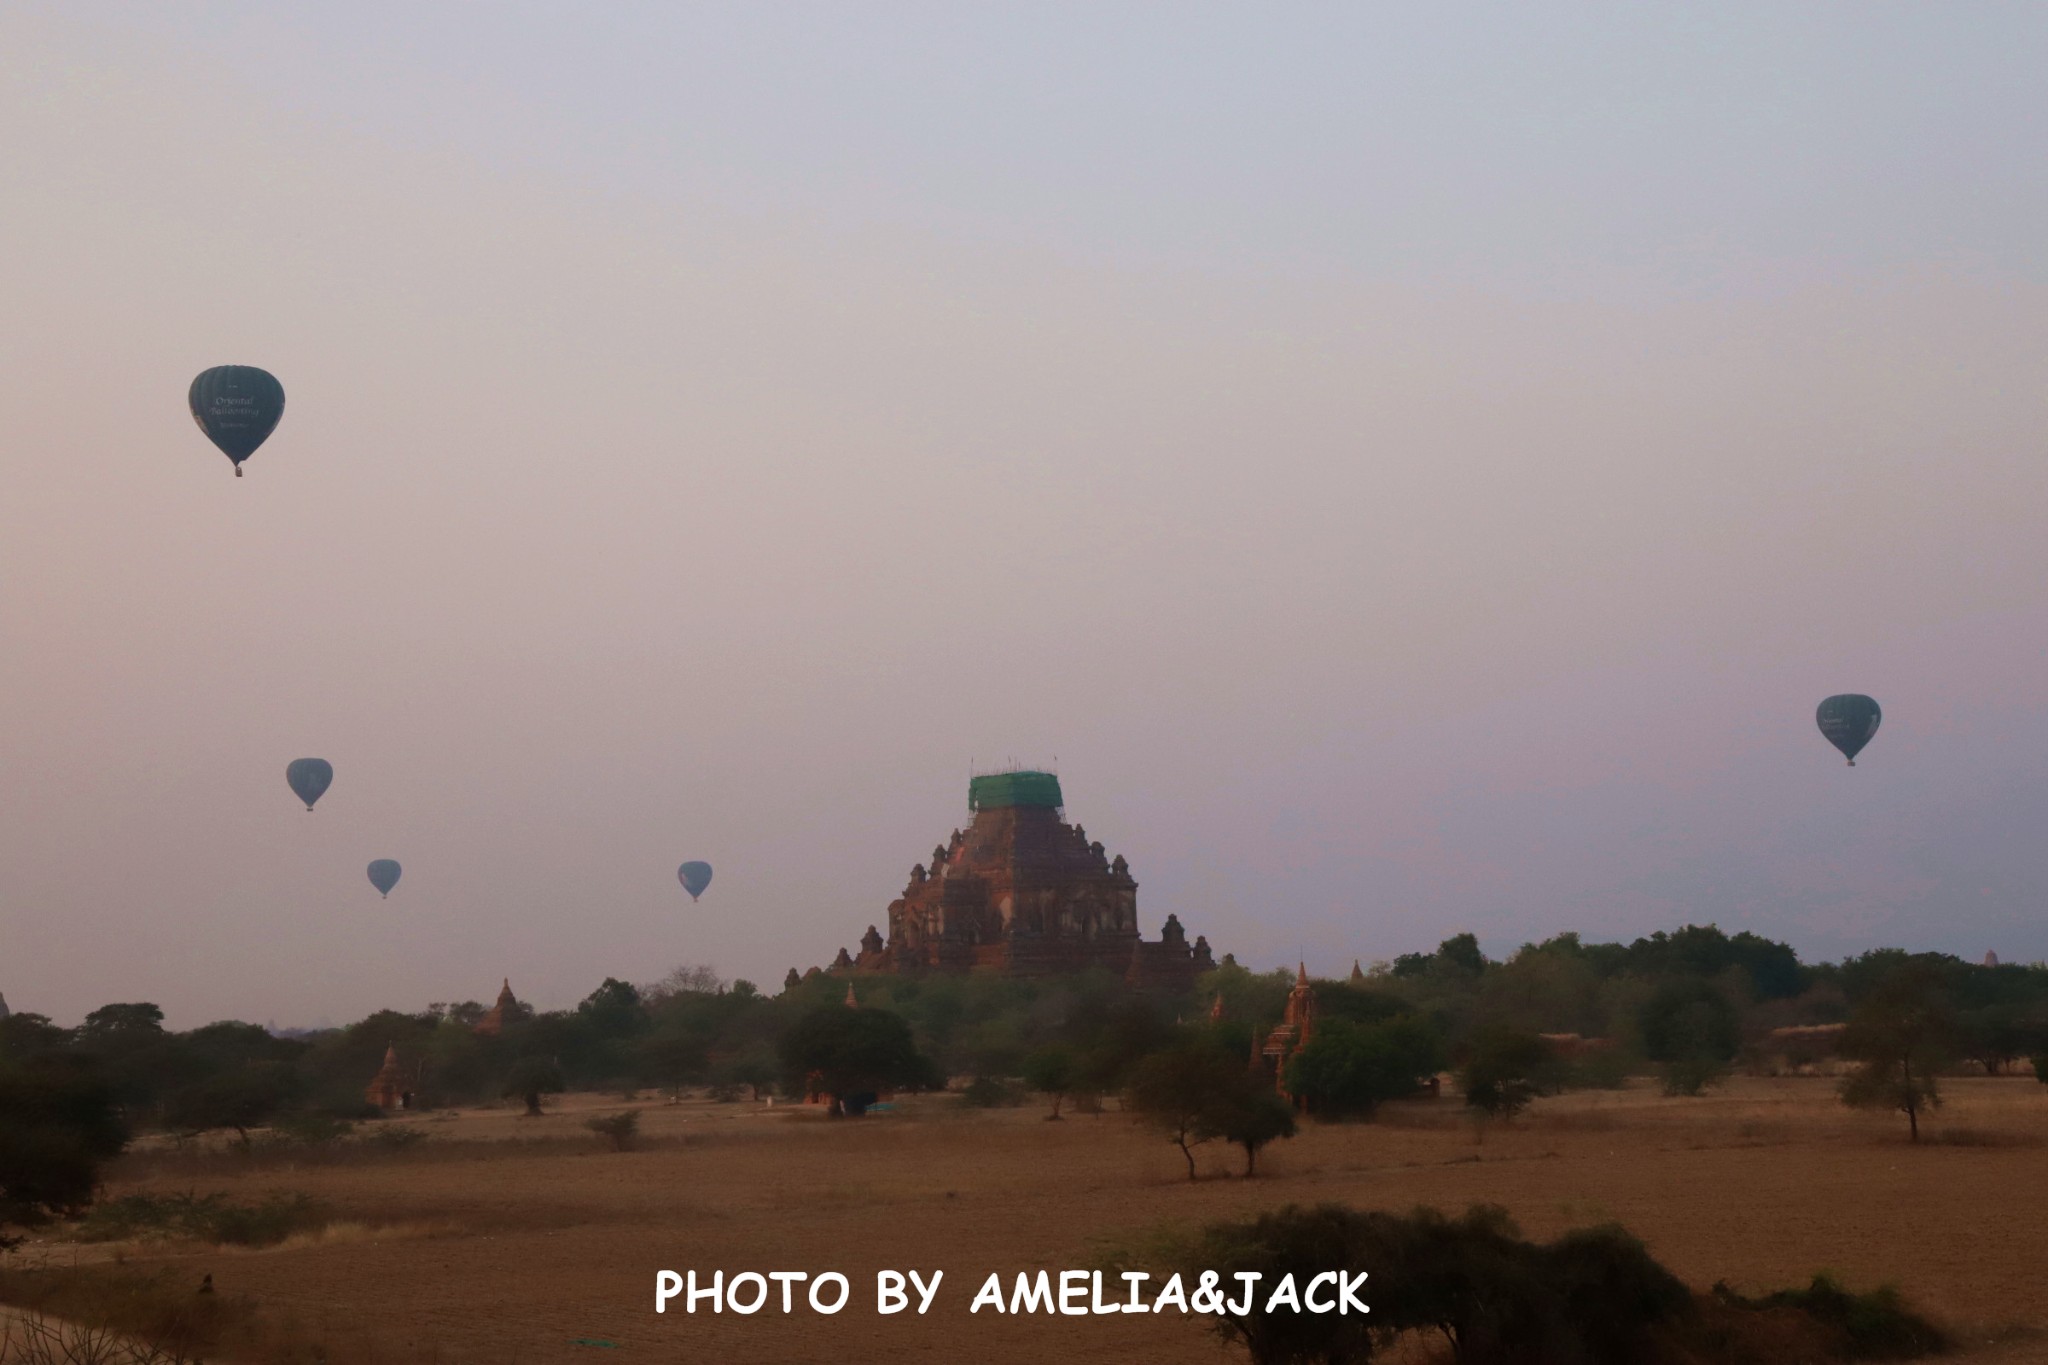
x=1020, y=891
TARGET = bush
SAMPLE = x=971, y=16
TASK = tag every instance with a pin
x=1594, y=1297
x=208, y=1218
x=309, y=1128
x=1872, y=1326
x=986, y=1092
x=397, y=1137
x=620, y=1129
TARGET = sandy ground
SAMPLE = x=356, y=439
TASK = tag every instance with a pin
x=513, y=1249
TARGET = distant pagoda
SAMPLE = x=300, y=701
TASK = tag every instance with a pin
x=1023, y=892
x=508, y=1010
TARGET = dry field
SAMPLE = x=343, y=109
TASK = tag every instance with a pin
x=507, y=1240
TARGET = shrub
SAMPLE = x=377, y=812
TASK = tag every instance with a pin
x=310, y=1128
x=202, y=1218
x=397, y=1137
x=1873, y=1326
x=986, y=1092
x=1594, y=1297
x=620, y=1128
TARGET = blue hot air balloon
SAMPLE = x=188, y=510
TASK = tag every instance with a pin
x=309, y=778
x=384, y=874
x=694, y=877
x=1848, y=722
x=237, y=406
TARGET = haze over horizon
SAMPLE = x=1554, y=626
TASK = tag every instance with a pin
x=1417, y=471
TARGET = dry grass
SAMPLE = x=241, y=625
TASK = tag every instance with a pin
x=516, y=1238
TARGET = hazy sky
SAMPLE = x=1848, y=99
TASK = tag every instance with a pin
x=1416, y=467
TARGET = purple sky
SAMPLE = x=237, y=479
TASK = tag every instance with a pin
x=1417, y=470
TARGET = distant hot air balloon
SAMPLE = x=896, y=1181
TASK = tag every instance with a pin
x=237, y=406
x=309, y=777
x=384, y=874
x=694, y=877
x=1848, y=721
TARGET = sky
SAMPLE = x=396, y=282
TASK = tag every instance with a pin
x=1412, y=469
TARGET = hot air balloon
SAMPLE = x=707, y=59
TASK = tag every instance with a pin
x=1848, y=721
x=309, y=777
x=237, y=406
x=384, y=874
x=694, y=877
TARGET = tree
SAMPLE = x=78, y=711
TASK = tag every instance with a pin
x=1349, y=1069
x=1692, y=1030
x=1902, y=1034
x=1252, y=1118
x=855, y=1053
x=58, y=1125
x=1502, y=1071
x=1176, y=1090
x=1995, y=1036
x=613, y=1010
x=671, y=1059
x=1195, y=1092
x=241, y=1099
x=529, y=1079
x=1053, y=1071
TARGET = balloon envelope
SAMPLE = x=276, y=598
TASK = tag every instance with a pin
x=384, y=874
x=694, y=877
x=309, y=777
x=1848, y=721
x=237, y=406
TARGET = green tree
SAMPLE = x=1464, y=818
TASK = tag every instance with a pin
x=1196, y=1092
x=1053, y=1071
x=1251, y=1118
x=242, y=1098
x=59, y=1124
x=1349, y=1069
x=613, y=1010
x=854, y=1053
x=1503, y=1071
x=529, y=1079
x=1901, y=1035
x=1691, y=1029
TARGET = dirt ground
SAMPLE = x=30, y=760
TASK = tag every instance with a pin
x=518, y=1241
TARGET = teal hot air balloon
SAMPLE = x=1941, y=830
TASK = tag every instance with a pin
x=309, y=778
x=1848, y=721
x=384, y=874
x=237, y=406
x=694, y=877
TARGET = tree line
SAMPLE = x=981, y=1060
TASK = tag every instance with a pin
x=1689, y=1005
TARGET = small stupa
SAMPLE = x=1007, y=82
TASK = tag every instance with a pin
x=387, y=1089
